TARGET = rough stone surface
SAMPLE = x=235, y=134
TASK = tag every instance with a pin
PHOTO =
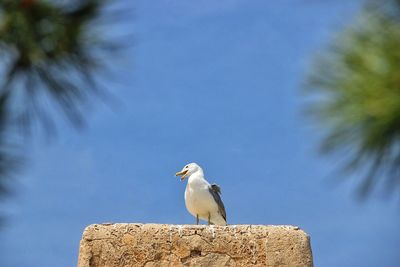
x=149, y=245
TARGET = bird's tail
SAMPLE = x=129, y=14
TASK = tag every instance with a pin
x=218, y=220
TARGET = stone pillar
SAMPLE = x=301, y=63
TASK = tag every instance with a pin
x=123, y=245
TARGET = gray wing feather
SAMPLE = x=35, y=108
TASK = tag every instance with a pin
x=215, y=191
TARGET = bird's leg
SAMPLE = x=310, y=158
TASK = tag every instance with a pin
x=197, y=219
x=209, y=218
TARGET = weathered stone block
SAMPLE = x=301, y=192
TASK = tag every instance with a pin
x=123, y=245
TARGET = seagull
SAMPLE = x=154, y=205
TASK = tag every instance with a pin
x=202, y=199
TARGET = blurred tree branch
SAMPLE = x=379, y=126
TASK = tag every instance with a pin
x=50, y=52
x=355, y=86
x=50, y=56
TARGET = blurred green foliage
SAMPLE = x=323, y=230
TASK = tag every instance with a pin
x=48, y=51
x=355, y=92
x=49, y=58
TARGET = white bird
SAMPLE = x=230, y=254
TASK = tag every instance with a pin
x=202, y=199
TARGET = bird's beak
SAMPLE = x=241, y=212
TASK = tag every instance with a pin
x=182, y=174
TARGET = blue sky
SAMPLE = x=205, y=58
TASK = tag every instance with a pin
x=217, y=83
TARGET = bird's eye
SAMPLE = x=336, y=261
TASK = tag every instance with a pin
x=186, y=167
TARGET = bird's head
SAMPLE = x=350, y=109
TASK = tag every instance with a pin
x=188, y=170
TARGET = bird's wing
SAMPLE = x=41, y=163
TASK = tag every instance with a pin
x=215, y=191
